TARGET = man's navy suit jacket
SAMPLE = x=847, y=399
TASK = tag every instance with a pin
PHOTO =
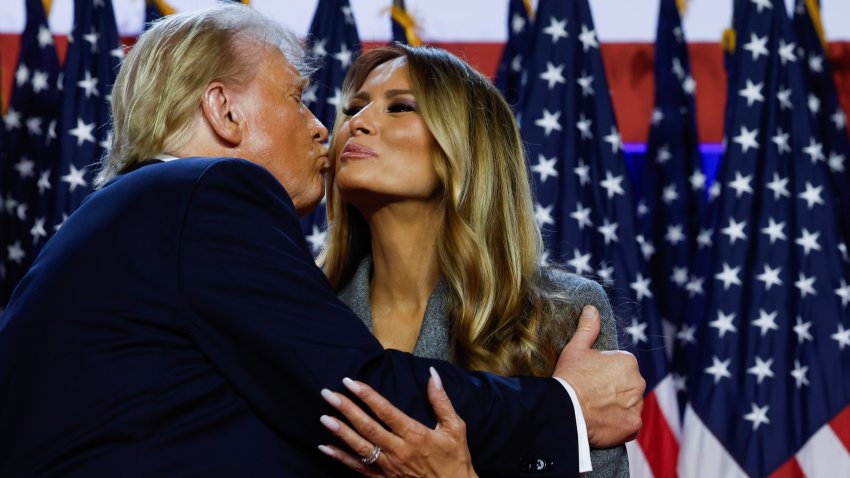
x=176, y=325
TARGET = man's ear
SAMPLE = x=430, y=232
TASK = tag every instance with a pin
x=218, y=107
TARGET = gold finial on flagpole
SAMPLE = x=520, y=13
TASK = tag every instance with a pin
x=400, y=15
x=814, y=14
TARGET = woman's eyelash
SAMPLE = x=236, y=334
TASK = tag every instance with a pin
x=350, y=110
x=393, y=108
x=401, y=108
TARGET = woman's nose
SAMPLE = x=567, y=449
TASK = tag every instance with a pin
x=362, y=122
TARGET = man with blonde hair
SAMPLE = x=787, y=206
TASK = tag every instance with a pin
x=177, y=326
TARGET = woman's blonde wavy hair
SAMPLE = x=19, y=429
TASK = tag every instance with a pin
x=505, y=315
x=160, y=84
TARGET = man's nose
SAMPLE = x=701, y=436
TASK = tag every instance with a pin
x=320, y=132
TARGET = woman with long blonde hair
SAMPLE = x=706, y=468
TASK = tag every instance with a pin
x=432, y=238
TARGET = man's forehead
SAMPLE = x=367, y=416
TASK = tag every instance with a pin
x=291, y=75
x=274, y=61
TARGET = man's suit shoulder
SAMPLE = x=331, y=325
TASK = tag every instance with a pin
x=192, y=169
x=180, y=180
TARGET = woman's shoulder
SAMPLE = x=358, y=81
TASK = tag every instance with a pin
x=580, y=291
x=572, y=284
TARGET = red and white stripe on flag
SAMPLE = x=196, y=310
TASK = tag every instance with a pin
x=826, y=454
x=656, y=449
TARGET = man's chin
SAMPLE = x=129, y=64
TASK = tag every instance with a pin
x=304, y=209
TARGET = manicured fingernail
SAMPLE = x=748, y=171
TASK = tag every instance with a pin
x=326, y=450
x=437, y=380
x=331, y=397
x=352, y=385
x=329, y=423
x=588, y=312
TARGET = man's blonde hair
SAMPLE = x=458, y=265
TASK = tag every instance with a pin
x=161, y=82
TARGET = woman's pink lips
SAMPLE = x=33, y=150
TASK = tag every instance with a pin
x=356, y=151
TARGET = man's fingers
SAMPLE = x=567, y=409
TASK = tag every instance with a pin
x=446, y=415
x=348, y=460
x=587, y=329
x=398, y=421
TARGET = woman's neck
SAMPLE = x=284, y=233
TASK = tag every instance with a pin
x=405, y=270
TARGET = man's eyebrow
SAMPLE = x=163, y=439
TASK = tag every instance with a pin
x=302, y=83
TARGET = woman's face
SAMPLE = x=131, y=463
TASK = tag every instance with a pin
x=385, y=150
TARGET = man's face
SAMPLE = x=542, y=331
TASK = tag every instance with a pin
x=281, y=134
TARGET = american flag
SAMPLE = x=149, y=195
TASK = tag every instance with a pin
x=2, y=110
x=28, y=149
x=333, y=38
x=94, y=53
x=584, y=199
x=403, y=25
x=509, y=72
x=822, y=102
x=156, y=9
x=673, y=185
x=769, y=328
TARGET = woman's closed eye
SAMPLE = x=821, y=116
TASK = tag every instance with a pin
x=401, y=108
x=351, y=110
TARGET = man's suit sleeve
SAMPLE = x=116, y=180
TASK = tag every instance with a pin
x=265, y=316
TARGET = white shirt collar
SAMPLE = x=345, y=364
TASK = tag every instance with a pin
x=165, y=157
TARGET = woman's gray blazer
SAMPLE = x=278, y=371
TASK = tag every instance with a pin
x=433, y=339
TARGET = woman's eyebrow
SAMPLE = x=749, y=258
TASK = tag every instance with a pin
x=364, y=96
x=361, y=95
x=392, y=93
